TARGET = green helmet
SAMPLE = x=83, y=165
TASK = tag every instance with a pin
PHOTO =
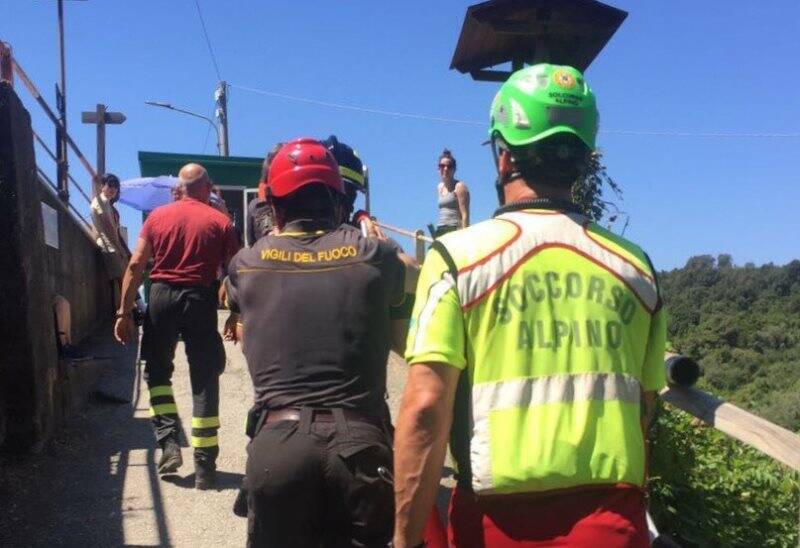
x=543, y=100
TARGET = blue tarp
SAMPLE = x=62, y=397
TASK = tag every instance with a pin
x=147, y=193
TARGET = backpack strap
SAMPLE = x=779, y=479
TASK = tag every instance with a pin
x=446, y=257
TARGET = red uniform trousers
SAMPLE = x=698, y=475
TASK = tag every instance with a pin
x=606, y=517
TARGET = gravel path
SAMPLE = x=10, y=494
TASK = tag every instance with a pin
x=96, y=483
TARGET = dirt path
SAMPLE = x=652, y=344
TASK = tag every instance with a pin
x=96, y=484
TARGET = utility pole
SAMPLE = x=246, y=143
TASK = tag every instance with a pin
x=101, y=117
x=6, y=64
x=221, y=112
x=61, y=105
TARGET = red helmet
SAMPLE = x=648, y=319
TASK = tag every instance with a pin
x=299, y=163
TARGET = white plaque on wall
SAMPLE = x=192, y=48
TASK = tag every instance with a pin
x=50, y=222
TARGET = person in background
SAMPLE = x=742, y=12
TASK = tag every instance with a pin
x=218, y=202
x=353, y=174
x=537, y=345
x=105, y=219
x=188, y=241
x=259, y=216
x=62, y=318
x=177, y=191
x=453, y=196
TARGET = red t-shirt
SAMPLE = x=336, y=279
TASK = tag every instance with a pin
x=190, y=241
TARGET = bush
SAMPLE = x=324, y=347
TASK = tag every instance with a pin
x=709, y=490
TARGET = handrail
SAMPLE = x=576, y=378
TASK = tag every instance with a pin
x=23, y=76
x=419, y=239
x=53, y=156
x=771, y=439
x=404, y=232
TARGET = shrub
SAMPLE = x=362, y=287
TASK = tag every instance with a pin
x=709, y=490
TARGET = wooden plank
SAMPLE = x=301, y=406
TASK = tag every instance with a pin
x=416, y=235
x=779, y=443
x=419, y=246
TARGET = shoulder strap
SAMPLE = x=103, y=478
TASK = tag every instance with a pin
x=660, y=302
x=446, y=257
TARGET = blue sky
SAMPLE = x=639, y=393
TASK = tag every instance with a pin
x=678, y=66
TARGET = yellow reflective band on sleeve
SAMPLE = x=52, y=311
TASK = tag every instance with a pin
x=205, y=422
x=354, y=176
x=164, y=409
x=210, y=441
x=163, y=390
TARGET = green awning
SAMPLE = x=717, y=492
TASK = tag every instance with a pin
x=224, y=170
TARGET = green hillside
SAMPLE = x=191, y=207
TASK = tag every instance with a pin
x=743, y=326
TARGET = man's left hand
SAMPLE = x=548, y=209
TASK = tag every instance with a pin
x=369, y=225
x=229, y=332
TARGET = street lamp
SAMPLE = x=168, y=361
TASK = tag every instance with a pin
x=163, y=104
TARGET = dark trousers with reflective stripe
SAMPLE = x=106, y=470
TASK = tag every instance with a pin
x=191, y=314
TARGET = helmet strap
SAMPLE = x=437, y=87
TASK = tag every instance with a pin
x=502, y=180
x=336, y=206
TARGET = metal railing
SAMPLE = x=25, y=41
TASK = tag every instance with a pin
x=12, y=67
x=418, y=236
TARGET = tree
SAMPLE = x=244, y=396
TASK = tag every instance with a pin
x=724, y=261
x=588, y=191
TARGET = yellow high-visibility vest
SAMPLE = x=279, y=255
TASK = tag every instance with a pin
x=558, y=327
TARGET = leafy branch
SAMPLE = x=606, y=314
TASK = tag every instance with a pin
x=588, y=192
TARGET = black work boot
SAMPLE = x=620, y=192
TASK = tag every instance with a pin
x=171, y=458
x=205, y=470
x=240, y=504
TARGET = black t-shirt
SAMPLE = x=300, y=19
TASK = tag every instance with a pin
x=315, y=307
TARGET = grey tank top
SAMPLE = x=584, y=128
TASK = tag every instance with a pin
x=448, y=210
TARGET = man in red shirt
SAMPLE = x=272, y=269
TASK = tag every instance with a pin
x=188, y=241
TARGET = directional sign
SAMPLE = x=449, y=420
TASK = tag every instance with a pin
x=110, y=117
x=100, y=118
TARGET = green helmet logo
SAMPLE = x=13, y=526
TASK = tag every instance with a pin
x=543, y=100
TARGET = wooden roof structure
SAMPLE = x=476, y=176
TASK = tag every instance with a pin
x=568, y=32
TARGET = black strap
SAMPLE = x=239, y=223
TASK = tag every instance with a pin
x=446, y=257
x=306, y=418
x=460, y=441
x=341, y=423
x=660, y=301
x=540, y=203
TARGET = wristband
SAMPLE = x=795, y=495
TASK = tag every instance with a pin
x=120, y=315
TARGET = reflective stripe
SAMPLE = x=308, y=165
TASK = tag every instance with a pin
x=298, y=233
x=210, y=441
x=545, y=231
x=436, y=294
x=205, y=422
x=163, y=390
x=351, y=174
x=164, y=409
x=530, y=392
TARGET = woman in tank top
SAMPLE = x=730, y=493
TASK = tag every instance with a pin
x=453, y=197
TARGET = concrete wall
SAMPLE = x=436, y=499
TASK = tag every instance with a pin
x=76, y=271
x=33, y=385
